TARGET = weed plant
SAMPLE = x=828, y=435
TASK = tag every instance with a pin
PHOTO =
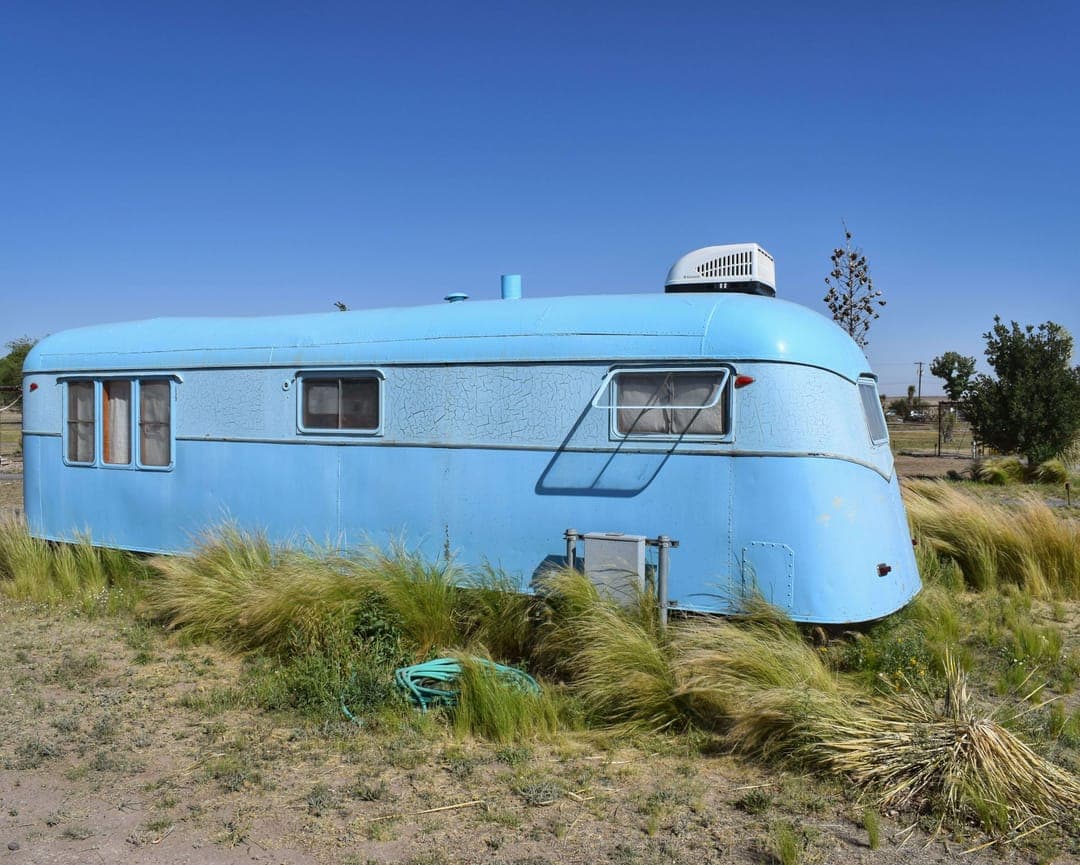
x=342, y=673
x=872, y=824
x=785, y=844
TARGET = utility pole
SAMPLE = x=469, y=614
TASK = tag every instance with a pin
x=919, y=364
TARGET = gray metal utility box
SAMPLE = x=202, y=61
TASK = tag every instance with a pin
x=615, y=563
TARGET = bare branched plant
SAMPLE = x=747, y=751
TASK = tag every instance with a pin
x=852, y=298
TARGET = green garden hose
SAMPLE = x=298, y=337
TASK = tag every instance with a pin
x=431, y=683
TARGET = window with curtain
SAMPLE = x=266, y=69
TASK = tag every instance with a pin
x=671, y=403
x=155, y=423
x=350, y=404
x=116, y=422
x=80, y=422
x=117, y=416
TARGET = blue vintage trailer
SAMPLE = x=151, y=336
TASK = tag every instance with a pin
x=746, y=427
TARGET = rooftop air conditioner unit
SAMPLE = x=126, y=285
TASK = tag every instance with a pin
x=743, y=268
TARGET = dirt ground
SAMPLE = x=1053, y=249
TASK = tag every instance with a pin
x=930, y=466
x=119, y=743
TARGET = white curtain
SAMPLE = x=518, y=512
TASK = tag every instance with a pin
x=640, y=391
x=116, y=396
x=690, y=389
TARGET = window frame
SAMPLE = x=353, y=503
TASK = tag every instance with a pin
x=607, y=397
x=338, y=375
x=872, y=381
x=68, y=421
x=134, y=419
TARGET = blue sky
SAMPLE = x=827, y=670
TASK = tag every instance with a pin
x=259, y=158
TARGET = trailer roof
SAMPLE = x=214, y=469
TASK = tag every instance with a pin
x=597, y=327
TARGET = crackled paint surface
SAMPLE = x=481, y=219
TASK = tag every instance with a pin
x=490, y=444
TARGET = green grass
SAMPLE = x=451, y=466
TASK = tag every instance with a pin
x=913, y=437
x=1024, y=542
x=616, y=658
x=492, y=708
x=90, y=580
x=785, y=844
x=872, y=824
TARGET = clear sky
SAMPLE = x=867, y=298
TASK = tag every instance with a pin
x=210, y=158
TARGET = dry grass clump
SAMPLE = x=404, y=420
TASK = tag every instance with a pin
x=240, y=589
x=768, y=693
x=1010, y=470
x=735, y=671
x=905, y=750
x=616, y=658
x=963, y=766
x=493, y=707
x=1050, y=472
x=999, y=472
x=1024, y=543
x=442, y=606
x=89, y=579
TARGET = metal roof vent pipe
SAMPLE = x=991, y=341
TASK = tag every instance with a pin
x=456, y=297
x=511, y=286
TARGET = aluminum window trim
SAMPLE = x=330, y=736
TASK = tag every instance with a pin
x=872, y=380
x=609, y=386
x=136, y=379
x=364, y=373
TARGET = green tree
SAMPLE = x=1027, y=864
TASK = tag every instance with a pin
x=1032, y=407
x=955, y=370
x=852, y=298
x=11, y=365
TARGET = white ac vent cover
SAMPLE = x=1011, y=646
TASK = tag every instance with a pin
x=743, y=268
x=736, y=264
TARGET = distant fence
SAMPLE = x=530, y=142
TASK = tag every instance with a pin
x=939, y=430
x=10, y=423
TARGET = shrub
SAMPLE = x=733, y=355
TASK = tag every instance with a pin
x=1050, y=472
x=999, y=472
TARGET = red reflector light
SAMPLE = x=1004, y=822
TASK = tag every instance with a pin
x=33, y=385
x=883, y=569
x=743, y=380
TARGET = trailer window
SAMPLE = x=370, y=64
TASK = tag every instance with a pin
x=671, y=403
x=345, y=403
x=80, y=422
x=116, y=422
x=875, y=420
x=125, y=405
x=155, y=419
